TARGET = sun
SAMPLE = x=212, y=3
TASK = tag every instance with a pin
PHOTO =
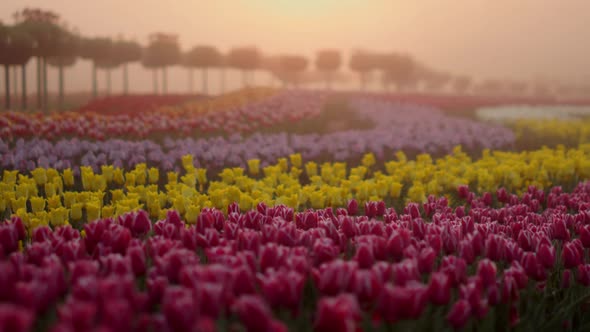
x=301, y=7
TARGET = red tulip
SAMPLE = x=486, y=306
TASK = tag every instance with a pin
x=137, y=257
x=584, y=232
x=583, y=274
x=459, y=314
x=546, y=255
x=366, y=285
x=559, y=230
x=398, y=303
x=324, y=251
x=533, y=267
x=463, y=191
x=283, y=288
x=439, y=288
x=426, y=260
x=339, y=313
x=364, y=256
x=570, y=256
x=334, y=277
x=352, y=207
x=253, y=313
x=15, y=319
x=179, y=308
x=486, y=271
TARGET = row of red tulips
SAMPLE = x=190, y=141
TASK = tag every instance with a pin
x=285, y=107
x=429, y=267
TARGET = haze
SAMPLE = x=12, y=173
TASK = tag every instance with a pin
x=521, y=39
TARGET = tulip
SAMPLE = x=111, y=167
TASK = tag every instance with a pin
x=570, y=256
x=546, y=255
x=398, y=303
x=463, y=191
x=339, y=313
x=364, y=256
x=426, y=260
x=534, y=269
x=366, y=285
x=179, y=308
x=486, y=271
x=583, y=274
x=324, y=251
x=253, y=313
x=334, y=277
x=584, y=232
x=15, y=319
x=459, y=314
x=439, y=288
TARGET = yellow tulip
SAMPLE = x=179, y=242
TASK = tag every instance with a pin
x=37, y=204
x=92, y=212
x=76, y=211
x=40, y=176
x=296, y=160
x=254, y=166
x=154, y=175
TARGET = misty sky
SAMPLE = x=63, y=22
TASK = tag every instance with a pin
x=485, y=38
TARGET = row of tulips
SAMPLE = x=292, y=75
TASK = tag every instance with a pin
x=51, y=197
x=266, y=110
x=397, y=127
x=426, y=267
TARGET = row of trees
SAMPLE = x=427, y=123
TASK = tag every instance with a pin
x=41, y=35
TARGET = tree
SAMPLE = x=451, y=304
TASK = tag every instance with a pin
x=203, y=57
x=437, y=80
x=98, y=51
x=328, y=62
x=290, y=67
x=16, y=49
x=461, y=84
x=44, y=27
x=246, y=59
x=67, y=45
x=125, y=52
x=162, y=51
x=399, y=69
x=362, y=62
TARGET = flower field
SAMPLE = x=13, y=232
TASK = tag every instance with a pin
x=221, y=215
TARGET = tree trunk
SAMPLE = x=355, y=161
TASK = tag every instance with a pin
x=155, y=78
x=363, y=80
x=61, y=87
x=15, y=86
x=39, y=78
x=94, y=81
x=108, y=73
x=7, y=87
x=125, y=80
x=222, y=81
x=191, y=80
x=45, y=92
x=24, y=86
x=205, y=84
x=164, y=80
